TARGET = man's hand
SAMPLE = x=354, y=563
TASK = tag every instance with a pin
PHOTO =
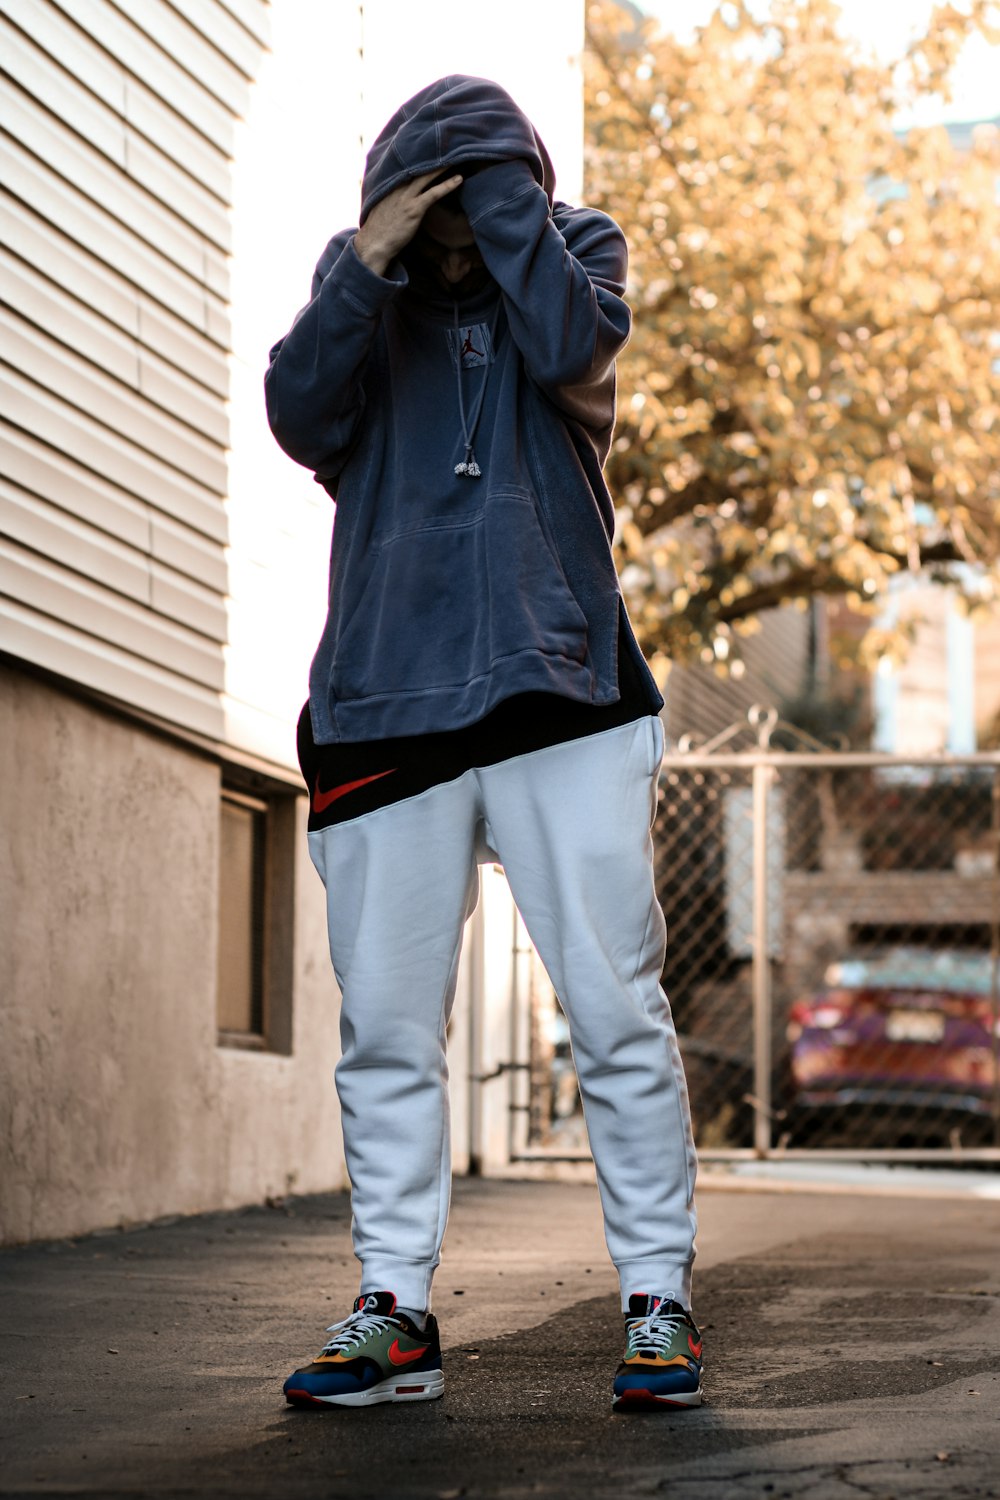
x=394, y=221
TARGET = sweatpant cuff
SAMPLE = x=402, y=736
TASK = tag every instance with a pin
x=655, y=1278
x=409, y=1280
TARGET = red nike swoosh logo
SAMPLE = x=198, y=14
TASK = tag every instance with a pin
x=322, y=800
x=397, y=1356
x=695, y=1347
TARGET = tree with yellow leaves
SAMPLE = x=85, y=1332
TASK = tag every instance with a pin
x=810, y=402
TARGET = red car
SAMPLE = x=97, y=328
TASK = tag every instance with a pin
x=902, y=1046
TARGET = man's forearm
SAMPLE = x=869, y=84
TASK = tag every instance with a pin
x=564, y=304
x=313, y=383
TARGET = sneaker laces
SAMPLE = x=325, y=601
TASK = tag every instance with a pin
x=355, y=1328
x=652, y=1334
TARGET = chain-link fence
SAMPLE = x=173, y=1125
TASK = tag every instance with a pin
x=832, y=965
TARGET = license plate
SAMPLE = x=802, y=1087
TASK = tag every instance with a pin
x=914, y=1026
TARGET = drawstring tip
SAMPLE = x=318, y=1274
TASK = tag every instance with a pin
x=473, y=470
x=461, y=468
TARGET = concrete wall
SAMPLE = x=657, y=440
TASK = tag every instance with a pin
x=116, y=1103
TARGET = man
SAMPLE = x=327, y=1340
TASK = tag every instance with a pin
x=478, y=694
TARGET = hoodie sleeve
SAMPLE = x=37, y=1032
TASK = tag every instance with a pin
x=313, y=386
x=562, y=286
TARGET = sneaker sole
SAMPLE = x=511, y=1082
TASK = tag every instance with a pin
x=424, y=1387
x=642, y=1400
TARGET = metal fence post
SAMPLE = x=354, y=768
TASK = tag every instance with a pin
x=761, y=966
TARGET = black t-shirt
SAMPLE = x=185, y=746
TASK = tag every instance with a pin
x=346, y=781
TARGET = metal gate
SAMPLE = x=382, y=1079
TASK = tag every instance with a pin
x=833, y=956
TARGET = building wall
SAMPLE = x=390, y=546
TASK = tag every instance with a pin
x=116, y=1102
x=120, y=122
x=987, y=682
x=122, y=528
x=703, y=703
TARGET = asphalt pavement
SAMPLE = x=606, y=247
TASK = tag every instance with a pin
x=852, y=1343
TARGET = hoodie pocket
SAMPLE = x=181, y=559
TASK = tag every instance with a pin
x=448, y=599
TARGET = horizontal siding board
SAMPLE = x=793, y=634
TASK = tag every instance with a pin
x=65, y=155
x=37, y=301
x=119, y=131
x=137, y=317
x=186, y=552
x=125, y=95
x=79, y=384
x=104, y=452
x=169, y=389
x=145, y=60
x=74, y=215
x=215, y=272
x=254, y=15
x=62, y=262
x=172, y=186
x=109, y=669
x=218, y=324
x=58, y=490
x=184, y=347
x=92, y=338
x=187, y=602
x=187, y=46
x=47, y=589
x=68, y=45
x=224, y=32
x=150, y=117
x=35, y=524
x=109, y=133
x=57, y=479
x=109, y=565
x=54, y=88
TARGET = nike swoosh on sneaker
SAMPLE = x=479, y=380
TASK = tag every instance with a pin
x=695, y=1347
x=398, y=1356
x=323, y=800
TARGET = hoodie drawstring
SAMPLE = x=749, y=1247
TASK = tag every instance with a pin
x=468, y=466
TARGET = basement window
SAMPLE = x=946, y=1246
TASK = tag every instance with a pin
x=256, y=853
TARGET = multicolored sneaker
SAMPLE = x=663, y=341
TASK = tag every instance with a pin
x=661, y=1365
x=376, y=1354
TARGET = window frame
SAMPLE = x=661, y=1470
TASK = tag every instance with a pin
x=273, y=910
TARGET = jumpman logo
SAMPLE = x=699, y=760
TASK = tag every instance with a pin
x=469, y=347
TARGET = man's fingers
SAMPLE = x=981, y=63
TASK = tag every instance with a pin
x=423, y=182
x=431, y=194
x=443, y=188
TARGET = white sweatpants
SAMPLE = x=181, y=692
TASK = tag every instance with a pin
x=570, y=825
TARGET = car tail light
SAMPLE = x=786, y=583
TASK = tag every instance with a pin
x=805, y=1012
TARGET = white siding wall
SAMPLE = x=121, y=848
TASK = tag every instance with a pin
x=118, y=132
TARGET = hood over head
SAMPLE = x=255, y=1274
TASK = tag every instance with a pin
x=457, y=119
